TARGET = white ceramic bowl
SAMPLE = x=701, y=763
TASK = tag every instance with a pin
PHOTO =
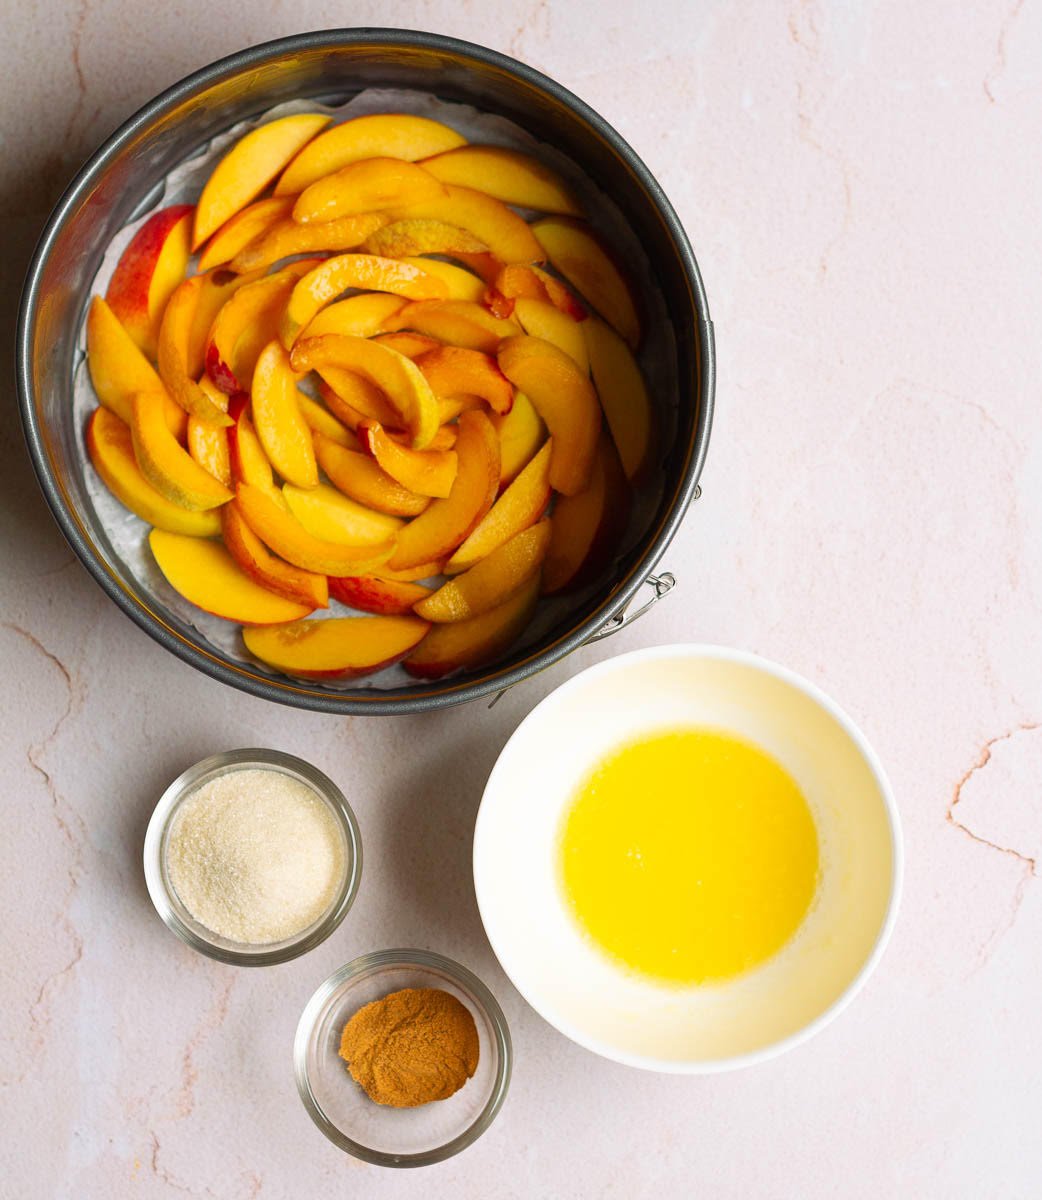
x=704, y=1028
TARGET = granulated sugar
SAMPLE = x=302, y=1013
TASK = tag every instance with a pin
x=256, y=856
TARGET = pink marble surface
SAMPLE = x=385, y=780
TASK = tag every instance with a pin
x=861, y=184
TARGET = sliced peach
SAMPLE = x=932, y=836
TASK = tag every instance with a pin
x=335, y=648
x=582, y=260
x=521, y=433
x=175, y=335
x=151, y=266
x=206, y=574
x=245, y=227
x=509, y=175
x=456, y=322
x=486, y=266
x=461, y=284
x=507, y=236
x=455, y=371
x=412, y=345
x=542, y=320
x=623, y=394
x=397, y=376
x=436, y=532
x=208, y=445
x=490, y=582
x=400, y=239
x=282, y=578
x=560, y=296
x=217, y=288
x=409, y=574
x=587, y=527
x=249, y=166
x=521, y=505
x=444, y=439
x=423, y=472
x=367, y=271
x=461, y=645
x=358, y=316
x=287, y=238
x=326, y=513
x=533, y=283
x=249, y=462
x=165, y=463
x=118, y=369
x=352, y=399
x=283, y=432
x=111, y=450
x=357, y=475
x=281, y=532
x=363, y=187
x=323, y=424
x=381, y=135
x=369, y=593
x=565, y=399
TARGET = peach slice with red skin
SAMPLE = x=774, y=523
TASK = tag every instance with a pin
x=118, y=369
x=358, y=476
x=283, y=432
x=455, y=322
x=286, y=238
x=263, y=567
x=455, y=371
x=165, y=463
x=435, y=533
x=246, y=226
x=208, y=445
x=623, y=395
x=364, y=271
x=334, y=517
x=364, y=315
x=521, y=433
x=111, y=450
x=282, y=533
x=336, y=647
x=521, y=505
x=366, y=186
x=206, y=575
x=460, y=645
x=174, y=356
x=370, y=594
x=402, y=239
x=507, y=236
x=575, y=251
x=565, y=399
x=508, y=175
x=217, y=288
x=490, y=582
x=379, y=135
x=249, y=166
x=461, y=284
x=151, y=266
x=422, y=472
x=542, y=320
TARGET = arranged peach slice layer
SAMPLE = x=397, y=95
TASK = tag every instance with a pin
x=247, y=169
x=365, y=186
x=623, y=394
x=245, y=227
x=282, y=578
x=287, y=238
x=206, y=575
x=542, y=320
x=165, y=463
x=369, y=593
x=338, y=647
x=507, y=236
x=461, y=645
x=111, y=451
x=421, y=472
x=283, y=432
x=521, y=433
x=357, y=475
x=328, y=514
x=509, y=175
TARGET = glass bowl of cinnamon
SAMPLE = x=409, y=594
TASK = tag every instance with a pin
x=402, y=1058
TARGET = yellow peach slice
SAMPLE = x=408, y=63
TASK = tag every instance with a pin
x=544, y=320
x=521, y=433
x=327, y=514
x=206, y=574
x=520, y=506
x=111, y=450
x=509, y=175
x=455, y=371
x=490, y=582
x=283, y=432
x=245, y=227
x=381, y=135
x=395, y=375
x=623, y=394
x=118, y=369
x=282, y=578
x=435, y=533
x=281, y=532
x=507, y=236
x=533, y=283
x=217, y=288
x=369, y=593
x=287, y=238
x=165, y=463
x=582, y=260
x=423, y=472
x=363, y=187
x=461, y=645
x=175, y=335
x=412, y=345
x=208, y=445
x=455, y=322
x=364, y=315
x=401, y=239
x=151, y=266
x=409, y=574
x=461, y=284
x=358, y=476
x=337, y=647
x=367, y=271
x=352, y=399
x=565, y=399
x=249, y=166
x=249, y=462
x=323, y=424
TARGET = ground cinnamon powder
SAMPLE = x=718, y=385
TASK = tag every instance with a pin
x=411, y=1047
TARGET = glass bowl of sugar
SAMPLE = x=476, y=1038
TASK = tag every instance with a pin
x=252, y=857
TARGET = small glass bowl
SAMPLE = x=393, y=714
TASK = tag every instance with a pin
x=398, y=1137
x=168, y=903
